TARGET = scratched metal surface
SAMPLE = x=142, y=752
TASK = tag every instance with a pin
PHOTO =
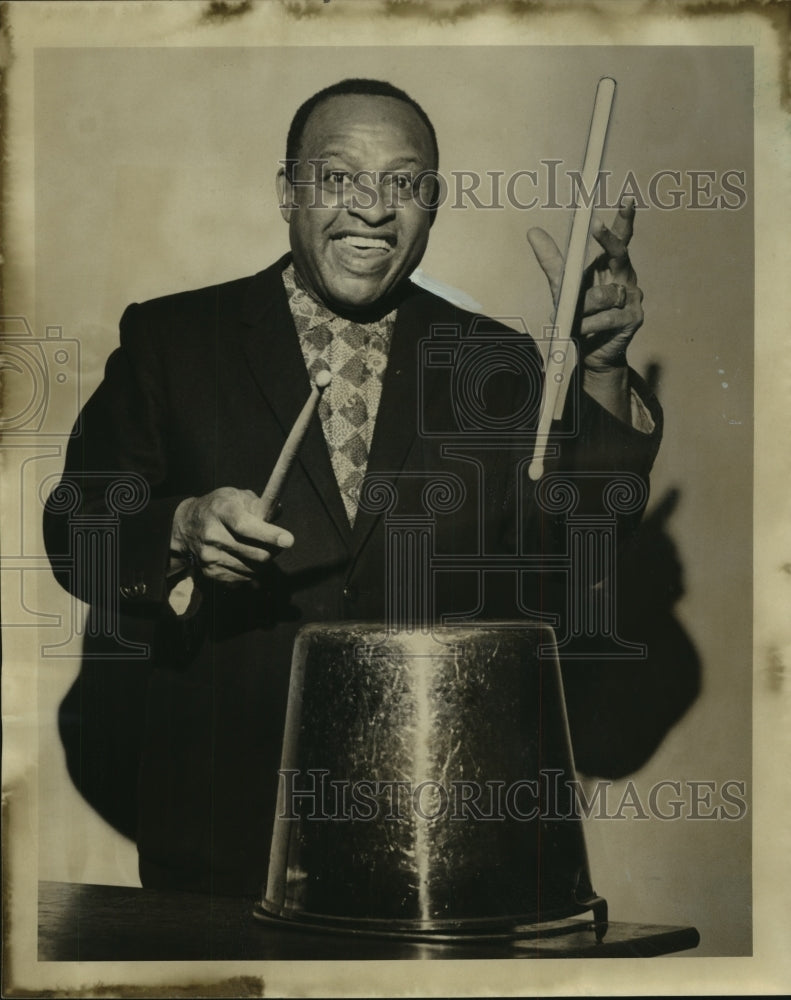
x=461, y=705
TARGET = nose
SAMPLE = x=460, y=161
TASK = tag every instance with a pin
x=371, y=200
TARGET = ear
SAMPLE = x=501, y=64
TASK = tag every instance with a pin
x=285, y=194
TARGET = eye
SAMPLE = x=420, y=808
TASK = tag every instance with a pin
x=402, y=181
x=336, y=177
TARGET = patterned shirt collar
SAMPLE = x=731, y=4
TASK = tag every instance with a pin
x=309, y=312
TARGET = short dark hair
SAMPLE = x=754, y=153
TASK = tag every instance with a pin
x=366, y=88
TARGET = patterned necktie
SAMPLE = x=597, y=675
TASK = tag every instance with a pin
x=356, y=356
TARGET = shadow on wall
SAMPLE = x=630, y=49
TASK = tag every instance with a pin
x=620, y=711
x=101, y=729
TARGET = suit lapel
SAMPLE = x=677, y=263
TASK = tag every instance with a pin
x=270, y=344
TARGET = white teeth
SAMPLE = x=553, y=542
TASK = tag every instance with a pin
x=363, y=242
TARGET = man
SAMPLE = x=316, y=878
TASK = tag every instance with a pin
x=180, y=748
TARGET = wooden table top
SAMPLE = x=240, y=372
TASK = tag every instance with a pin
x=117, y=923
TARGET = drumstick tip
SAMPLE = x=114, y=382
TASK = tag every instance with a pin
x=323, y=379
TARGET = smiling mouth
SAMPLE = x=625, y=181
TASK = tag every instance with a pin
x=373, y=244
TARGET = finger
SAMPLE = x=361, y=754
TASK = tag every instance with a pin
x=614, y=321
x=610, y=322
x=605, y=271
x=247, y=527
x=623, y=226
x=610, y=296
x=612, y=244
x=217, y=564
x=256, y=554
x=615, y=259
x=549, y=258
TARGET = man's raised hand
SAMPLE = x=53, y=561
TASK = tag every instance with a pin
x=612, y=309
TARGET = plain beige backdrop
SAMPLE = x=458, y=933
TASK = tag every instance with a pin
x=154, y=172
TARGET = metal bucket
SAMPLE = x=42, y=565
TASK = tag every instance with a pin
x=424, y=784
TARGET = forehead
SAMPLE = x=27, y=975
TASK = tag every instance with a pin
x=359, y=125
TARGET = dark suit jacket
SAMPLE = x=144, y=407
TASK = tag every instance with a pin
x=200, y=395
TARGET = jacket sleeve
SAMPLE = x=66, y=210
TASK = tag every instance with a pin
x=107, y=523
x=592, y=439
x=604, y=462
x=585, y=508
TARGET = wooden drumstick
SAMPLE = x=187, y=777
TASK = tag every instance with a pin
x=561, y=357
x=285, y=460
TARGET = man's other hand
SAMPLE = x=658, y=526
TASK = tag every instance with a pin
x=224, y=534
x=611, y=308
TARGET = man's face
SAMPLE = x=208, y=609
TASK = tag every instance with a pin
x=357, y=229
